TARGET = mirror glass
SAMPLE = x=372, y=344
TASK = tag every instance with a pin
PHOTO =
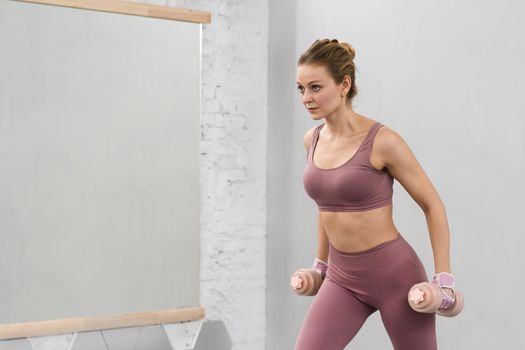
x=99, y=163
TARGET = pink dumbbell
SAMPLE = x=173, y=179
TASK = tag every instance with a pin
x=428, y=297
x=308, y=281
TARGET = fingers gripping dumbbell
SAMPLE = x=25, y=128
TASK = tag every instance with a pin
x=429, y=297
x=308, y=281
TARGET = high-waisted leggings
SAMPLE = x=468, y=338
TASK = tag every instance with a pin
x=357, y=285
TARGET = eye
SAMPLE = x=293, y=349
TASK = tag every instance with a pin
x=316, y=88
x=300, y=89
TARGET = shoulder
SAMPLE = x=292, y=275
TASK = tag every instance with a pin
x=387, y=137
x=403, y=165
x=308, y=137
x=391, y=146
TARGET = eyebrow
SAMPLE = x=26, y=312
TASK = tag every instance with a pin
x=313, y=81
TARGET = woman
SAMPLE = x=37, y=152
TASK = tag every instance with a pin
x=351, y=163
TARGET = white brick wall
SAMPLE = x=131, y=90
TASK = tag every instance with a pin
x=233, y=172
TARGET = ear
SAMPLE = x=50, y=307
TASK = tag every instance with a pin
x=346, y=85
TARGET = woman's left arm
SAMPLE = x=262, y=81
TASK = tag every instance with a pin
x=402, y=164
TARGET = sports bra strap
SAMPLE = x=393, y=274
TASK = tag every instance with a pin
x=368, y=141
x=315, y=135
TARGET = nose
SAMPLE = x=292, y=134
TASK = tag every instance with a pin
x=306, y=96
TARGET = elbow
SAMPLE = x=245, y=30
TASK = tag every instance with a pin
x=430, y=206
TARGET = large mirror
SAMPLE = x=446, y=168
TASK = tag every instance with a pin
x=99, y=162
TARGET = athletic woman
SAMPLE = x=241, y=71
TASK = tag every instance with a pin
x=351, y=163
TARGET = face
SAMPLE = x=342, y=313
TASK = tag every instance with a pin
x=319, y=93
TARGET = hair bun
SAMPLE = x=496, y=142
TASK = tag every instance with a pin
x=348, y=47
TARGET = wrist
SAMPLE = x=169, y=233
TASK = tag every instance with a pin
x=320, y=266
x=444, y=279
x=446, y=282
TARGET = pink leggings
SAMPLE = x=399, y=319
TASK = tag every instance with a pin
x=357, y=285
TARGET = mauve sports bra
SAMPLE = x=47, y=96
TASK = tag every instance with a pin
x=354, y=186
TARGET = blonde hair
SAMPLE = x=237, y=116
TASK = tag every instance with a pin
x=337, y=57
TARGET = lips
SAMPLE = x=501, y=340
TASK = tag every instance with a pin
x=312, y=109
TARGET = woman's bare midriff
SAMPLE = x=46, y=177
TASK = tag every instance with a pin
x=361, y=230
x=355, y=231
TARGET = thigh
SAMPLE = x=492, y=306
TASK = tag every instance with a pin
x=408, y=329
x=333, y=319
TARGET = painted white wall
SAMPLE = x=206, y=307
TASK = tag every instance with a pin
x=283, y=193
x=448, y=77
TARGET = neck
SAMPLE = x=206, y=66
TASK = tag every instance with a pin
x=343, y=123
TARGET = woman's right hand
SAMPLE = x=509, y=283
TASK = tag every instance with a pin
x=306, y=281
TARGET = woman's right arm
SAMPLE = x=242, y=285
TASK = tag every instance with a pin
x=322, y=238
